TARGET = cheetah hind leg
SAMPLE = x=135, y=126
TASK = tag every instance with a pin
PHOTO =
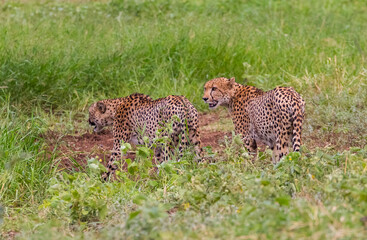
x=194, y=136
x=281, y=149
x=196, y=141
x=189, y=138
x=182, y=143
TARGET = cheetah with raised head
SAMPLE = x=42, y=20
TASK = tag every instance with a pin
x=274, y=117
x=139, y=112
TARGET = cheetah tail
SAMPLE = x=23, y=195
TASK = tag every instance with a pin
x=298, y=116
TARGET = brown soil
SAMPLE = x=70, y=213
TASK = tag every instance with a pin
x=76, y=149
x=211, y=138
x=332, y=140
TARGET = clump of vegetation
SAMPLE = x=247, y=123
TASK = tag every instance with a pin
x=58, y=57
x=230, y=197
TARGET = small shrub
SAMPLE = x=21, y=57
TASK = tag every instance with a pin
x=79, y=197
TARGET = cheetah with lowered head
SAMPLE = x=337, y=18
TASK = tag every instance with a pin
x=137, y=113
x=274, y=117
x=102, y=113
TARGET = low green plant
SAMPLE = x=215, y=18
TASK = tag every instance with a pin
x=147, y=219
x=79, y=197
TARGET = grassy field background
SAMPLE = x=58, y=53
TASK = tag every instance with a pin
x=57, y=57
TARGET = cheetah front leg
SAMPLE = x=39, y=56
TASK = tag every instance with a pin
x=251, y=147
x=161, y=154
x=121, y=131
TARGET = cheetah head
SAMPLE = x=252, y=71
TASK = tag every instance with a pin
x=218, y=92
x=101, y=114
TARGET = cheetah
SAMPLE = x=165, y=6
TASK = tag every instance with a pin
x=102, y=113
x=139, y=112
x=274, y=118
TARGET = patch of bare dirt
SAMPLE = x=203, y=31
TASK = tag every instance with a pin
x=206, y=119
x=332, y=140
x=214, y=139
x=76, y=149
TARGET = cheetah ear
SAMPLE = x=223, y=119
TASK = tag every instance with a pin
x=102, y=107
x=231, y=82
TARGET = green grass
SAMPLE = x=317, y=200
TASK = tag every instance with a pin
x=56, y=58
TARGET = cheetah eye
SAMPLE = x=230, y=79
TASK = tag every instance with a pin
x=214, y=88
